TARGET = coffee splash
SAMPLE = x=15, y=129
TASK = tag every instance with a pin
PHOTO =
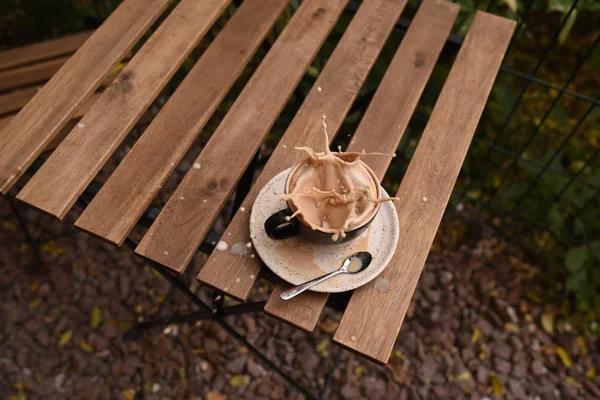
x=334, y=192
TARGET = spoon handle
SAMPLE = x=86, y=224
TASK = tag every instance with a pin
x=296, y=290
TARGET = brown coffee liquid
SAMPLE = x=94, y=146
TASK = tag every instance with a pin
x=334, y=192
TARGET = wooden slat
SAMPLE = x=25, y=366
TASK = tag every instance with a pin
x=30, y=74
x=65, y=175
x=340, y=82
x=80, y=112
x=383, y=125
x=43, y=50
x=181, y=226
x=130, y=189
x=35, y=126
x=15, y=100
x=372, y=319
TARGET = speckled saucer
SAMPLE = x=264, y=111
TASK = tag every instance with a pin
x=297, y=261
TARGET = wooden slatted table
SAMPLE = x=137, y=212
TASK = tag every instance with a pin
x=372, y=319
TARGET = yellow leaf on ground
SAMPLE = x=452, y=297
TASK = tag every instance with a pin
x=182, y=374
x=95, y=317
x=359, y=370
x=329, y=325
x=399, y=354
x=496, y=385
x=464, y=376
x=322, y=347
x=535, y=298
x=215, y=396
x=139, y=309
x=582, y=346
x=564, y=357
x=118, y=69
x=35, y=303
x=9, y=226
x=572, y=381
x=129, y=394
x=85, y=346
x=510, y=327
x=51, y=248
x=547, y=321
x=20, y=386
x=34, y=286
x=65, y=338
x=591, y=373
x=476, y=335
x=239, y=380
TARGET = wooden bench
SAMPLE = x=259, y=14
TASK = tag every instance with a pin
x=23, y=70
x=372, y=319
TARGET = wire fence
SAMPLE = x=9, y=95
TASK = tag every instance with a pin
x=523, y=156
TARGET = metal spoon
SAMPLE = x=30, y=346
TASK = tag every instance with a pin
x=352, y=265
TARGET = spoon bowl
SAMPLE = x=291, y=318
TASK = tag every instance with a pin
x=354, y=264
x=357, y=262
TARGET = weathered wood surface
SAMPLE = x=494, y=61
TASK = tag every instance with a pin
x=65, y=175
x=181, y=226
x=130, y=189
x=373, y=318
x=26, y=135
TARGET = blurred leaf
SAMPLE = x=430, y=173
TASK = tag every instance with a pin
x=512, y=4
x=559, y=5
x=572, y=381
x=359, y=370
x=117, y=69
x=95, y=317
x=322, y=347
x=476, y=335
x=510, y=327
x=238, y=380
x=129, y=394
x=564, y=357
x=515, y=190
x=595, y=248
x=547, y=321
x=215, y=396
x=329, y=325
x=51, y=248
x=591, y=372
x=566, y=30
x=464, y=376
x=35, y=303
x=9, y=226
x=312, y=71
x=535, y=298
x=582, y=346
x=496, y=385
x=577, y=281
x=466, y=5
x=65, y=338
x=399, y=354
x=576, y=258
x=85, y=346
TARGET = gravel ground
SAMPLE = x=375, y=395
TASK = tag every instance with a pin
x=473, y=331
